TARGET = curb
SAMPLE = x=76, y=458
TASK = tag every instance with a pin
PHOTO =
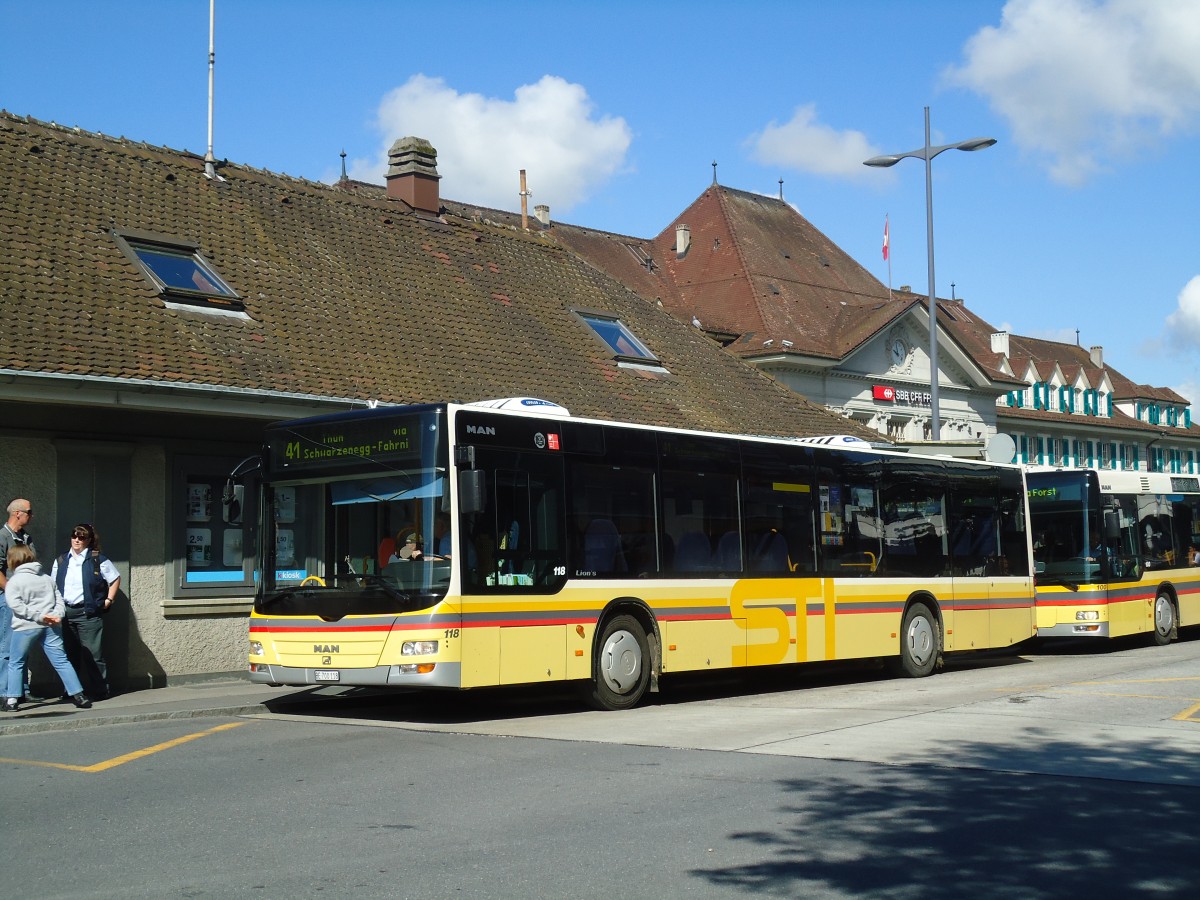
x=72, y=723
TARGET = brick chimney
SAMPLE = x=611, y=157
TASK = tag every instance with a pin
x=412, y=174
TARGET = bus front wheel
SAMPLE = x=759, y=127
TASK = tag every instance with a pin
x=622, y=669
x=920, y=642
x=1164, y=619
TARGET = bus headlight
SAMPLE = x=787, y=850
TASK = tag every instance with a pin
x=418, y=648
x=256, y=648
x=1087, y=615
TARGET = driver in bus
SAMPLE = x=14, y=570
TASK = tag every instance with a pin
x=409, y=548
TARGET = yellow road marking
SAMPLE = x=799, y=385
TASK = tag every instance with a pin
x=1186, y=715
x=1119, y=694
x=1050, y=687
x=1144, y=680
x=128, y=757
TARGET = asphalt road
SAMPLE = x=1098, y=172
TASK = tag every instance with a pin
x=1061, y=772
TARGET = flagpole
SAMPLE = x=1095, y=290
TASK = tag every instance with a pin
x=887, y=252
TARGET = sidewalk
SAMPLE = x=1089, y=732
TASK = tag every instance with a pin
x=234, y=697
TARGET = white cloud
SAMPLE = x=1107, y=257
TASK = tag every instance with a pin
x=1190, y=391
x=1085, y=83
x=806, y=145
x=1183, y=325
x=550, y=129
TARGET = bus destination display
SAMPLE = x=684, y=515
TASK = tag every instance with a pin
x=322, y=445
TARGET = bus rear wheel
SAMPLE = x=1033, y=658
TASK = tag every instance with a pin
x=622, y=668
x=920, y=642
x=1164, y=619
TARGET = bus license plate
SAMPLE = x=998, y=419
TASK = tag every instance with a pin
x=328, y=676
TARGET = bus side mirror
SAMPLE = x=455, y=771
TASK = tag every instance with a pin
x=231, y=503
x=472, y=491
x=1112, y=525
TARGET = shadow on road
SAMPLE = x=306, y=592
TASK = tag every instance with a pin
x=497, y=704
x=929, y=832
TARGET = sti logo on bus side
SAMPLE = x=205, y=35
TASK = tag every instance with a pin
x=327, y=648
x=481, y=429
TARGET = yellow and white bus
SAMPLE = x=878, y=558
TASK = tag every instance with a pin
x=1115, y=552
x=460, y=546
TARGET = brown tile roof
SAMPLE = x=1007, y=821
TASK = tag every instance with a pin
x=759, y=269
x=348, y=295
x=1081, y=424
x=1073, y=359
x=631, y=260
x=974, y=334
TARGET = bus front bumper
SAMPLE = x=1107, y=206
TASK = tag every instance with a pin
x=444, y=674
x=1075, y=630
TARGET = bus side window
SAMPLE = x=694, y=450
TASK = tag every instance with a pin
x=612, y=515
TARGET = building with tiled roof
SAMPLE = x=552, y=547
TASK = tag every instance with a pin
x=776, y=292
x=1075, y=409
x=156, y=318
x=779, y=294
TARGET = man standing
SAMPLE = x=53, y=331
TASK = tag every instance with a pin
x=89, y=582
x=13, y=532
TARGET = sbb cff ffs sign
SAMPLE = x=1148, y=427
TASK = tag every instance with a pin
x=903, y=395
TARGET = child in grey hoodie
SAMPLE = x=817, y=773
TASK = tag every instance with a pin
x=37, y=609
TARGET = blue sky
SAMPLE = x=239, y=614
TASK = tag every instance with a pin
x=1083, y=217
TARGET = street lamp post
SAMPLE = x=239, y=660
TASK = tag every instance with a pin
x=927, y=153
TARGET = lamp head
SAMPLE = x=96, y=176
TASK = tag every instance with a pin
x=976, y=143
x=882, y=162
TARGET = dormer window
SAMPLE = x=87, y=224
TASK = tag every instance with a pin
x=178, y=270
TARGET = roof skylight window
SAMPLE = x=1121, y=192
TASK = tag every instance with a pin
x=619, y=338
x=178, y=270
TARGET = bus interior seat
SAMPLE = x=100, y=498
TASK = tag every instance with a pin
x=729, y=552
x=602, y=547
x=771, y=553
x=386, y=548
x=693, y=553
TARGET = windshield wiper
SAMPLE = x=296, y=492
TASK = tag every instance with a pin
x=1058, y=580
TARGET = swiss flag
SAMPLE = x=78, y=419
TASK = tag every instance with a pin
x=885, y=237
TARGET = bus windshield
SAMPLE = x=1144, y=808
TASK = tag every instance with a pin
x=362, y=525
x=1079, y=536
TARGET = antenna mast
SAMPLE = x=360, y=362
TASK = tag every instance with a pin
x=210, y=168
